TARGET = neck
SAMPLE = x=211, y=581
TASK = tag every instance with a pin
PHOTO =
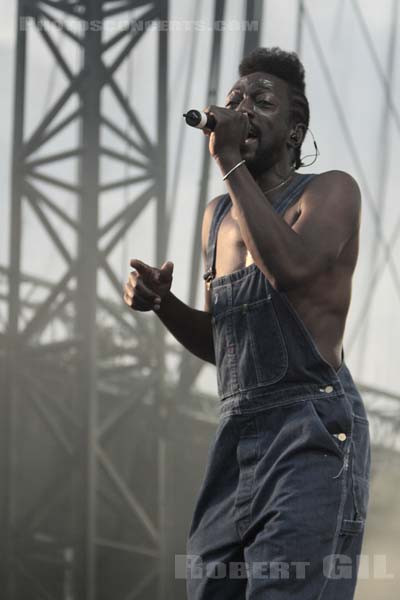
x=280, y=174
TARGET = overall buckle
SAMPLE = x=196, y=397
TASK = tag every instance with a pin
x=208, y=277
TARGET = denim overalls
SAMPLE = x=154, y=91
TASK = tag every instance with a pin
x=281, y=510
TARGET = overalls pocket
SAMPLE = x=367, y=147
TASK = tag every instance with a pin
x=267, y=345
x=332, y=418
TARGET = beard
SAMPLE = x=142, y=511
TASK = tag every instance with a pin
x=261, y=159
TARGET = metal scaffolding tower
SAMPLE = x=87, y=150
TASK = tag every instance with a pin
x=74, y=385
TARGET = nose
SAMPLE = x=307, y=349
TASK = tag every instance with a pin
x=246, y=106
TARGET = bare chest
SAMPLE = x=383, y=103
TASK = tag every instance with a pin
x=231, y=251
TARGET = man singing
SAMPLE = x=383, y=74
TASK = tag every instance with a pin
x=283, y=504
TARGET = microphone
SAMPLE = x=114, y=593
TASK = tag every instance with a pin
x=201, y=120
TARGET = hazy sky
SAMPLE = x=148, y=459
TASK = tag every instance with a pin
x=357, y=87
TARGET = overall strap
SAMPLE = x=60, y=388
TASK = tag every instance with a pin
x=293, y=192
x=220, y=211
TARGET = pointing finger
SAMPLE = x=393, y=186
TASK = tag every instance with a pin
x=140, y=266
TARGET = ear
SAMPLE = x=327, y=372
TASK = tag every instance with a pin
x=297, y=135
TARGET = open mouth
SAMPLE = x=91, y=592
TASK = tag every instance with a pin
x=250, y=139
x=252, y=135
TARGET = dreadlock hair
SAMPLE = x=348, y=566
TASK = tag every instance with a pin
x=286, y=66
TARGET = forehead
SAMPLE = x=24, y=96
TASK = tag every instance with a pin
x=262, y=81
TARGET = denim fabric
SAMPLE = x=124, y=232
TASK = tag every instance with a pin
x=287, y=479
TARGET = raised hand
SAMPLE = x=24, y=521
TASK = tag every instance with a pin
x=147, y=286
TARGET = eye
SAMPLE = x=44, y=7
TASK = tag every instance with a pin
x=264, y=103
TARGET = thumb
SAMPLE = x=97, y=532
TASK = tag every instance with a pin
x=165, y=272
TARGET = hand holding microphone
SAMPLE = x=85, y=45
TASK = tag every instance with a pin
x=227, y=129
x=199, y=119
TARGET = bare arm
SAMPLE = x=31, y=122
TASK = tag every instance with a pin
x=291, y=256
x=148, y=288
x=329, y=213
x=191, y=327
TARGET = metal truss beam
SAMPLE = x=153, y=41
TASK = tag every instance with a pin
x=254, y=12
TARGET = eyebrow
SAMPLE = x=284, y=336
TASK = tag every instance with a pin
x=259, y=83
x=265, y=83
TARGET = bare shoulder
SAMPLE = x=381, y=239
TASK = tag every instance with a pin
x=337, y=184
x=336, y=177
x=336, y=192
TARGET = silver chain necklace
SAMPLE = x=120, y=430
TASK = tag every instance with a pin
x=282, y=183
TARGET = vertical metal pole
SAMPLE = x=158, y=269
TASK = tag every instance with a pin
x=254, y=11
x=162, y=116
x=299, y=30
x=159, y=330
x=164, y=586
x=86, y=300
x=161, y=170
x=11, y=391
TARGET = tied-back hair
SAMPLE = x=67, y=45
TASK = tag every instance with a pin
x=286, y=66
